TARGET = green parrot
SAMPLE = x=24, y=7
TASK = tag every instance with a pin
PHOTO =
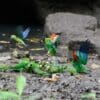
x=18, y=40
x=80, y=57
x=50, y=47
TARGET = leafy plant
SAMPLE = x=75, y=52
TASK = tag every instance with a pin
x=20, y=85
x=71, y=69
x=36, y=68
x=4, y=67
x=21, y=66
x=40, y=68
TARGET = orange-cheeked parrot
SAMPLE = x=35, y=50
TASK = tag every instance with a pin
x=51, y=43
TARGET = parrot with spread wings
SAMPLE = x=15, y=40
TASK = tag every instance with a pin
x=80, y=57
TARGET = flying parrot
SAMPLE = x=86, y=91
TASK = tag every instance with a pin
x=80, y=57
x=51, y=43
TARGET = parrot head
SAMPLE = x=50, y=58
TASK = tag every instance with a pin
x=54, y=37
x=13, y=36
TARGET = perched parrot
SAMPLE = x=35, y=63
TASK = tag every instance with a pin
x=50, y=47
x=51, y=44
x=55, y=38
x=80, y=57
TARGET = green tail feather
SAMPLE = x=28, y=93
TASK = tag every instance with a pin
x=80, y=68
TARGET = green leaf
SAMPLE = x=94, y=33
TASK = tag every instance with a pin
x=36, y=68
x=58, y=68
x=4, y=67
x=71, y=69
x=21, y=66
x=88, y=96
x=20, y=84
x=4, y=95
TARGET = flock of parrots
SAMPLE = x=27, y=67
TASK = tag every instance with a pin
x=80, y=57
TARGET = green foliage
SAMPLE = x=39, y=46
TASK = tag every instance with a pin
x=39, y=68
x=71, y=69
x=88, y=96
x=21, y=66
x=3, y=67
x=7, y=95
x=36, y=68
x=20, y=84
x=58, y=68
x=46, y=69
x=53, y=68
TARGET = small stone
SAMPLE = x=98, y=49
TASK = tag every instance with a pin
x=95, y=66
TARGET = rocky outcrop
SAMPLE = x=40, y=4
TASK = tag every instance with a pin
x=46, y=7
x=74, y=27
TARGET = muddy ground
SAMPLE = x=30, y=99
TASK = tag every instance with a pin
x=68, y=87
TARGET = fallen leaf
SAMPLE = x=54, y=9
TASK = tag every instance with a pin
x=78, y=76
x=95, y=66
x=53, y=79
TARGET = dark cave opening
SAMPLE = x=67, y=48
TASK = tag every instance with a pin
x=17, y=12
x=26, y=11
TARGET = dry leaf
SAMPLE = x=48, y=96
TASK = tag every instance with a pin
x=78, y=77
x=53, y=79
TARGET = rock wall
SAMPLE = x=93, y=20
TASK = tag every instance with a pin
x=46, y=7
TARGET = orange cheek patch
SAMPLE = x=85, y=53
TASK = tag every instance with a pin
x=52, y=37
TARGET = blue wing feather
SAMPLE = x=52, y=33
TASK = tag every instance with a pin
x=25, y=33
x=83, y=52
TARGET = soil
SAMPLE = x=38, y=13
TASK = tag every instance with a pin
x=68, y=87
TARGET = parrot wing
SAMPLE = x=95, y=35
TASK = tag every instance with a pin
x=23, y=33
x=83, y=57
